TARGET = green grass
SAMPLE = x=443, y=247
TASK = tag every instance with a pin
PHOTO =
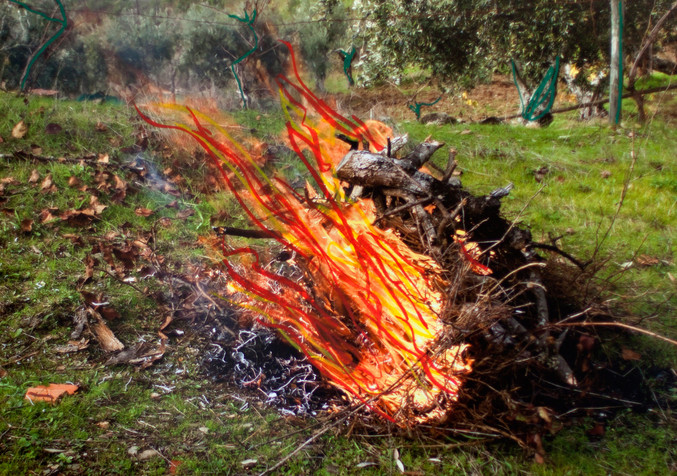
x=205, y=426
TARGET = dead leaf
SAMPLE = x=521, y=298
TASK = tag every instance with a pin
x=72, y=346
x=109, y=313
x=605, y=174
x=53, y=128
x=172, y=204
x=143, y=212
x=75, y=239
x=141, y=354
x=45, y=216
x=174, y=466
x=74, y=182
x=35, y=176
x=628, y=354
x=183, y=214
x=115, y=141
x=3, y=373
x=127, y=255
x=597, y=430
x=540, y=173
x=1, y=140
x=36, y=149
x=50, y=393
x=101, y=127
x=104, y=335
x=90, y=262
x=118, y=196
x=46, y=183
x=103, y=159
x=96, y=206
x=27, y=225
x=646, y=261
x=119, y=183
x=586, y=343
x=19, y=130
x=104, y=425
x=79, y=218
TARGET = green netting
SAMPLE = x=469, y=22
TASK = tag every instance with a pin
x=542, y=99
x=347, y=62
x=249, y=22
x=416, y=107
x=63, y=21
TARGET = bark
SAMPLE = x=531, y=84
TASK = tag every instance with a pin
x=615, y=79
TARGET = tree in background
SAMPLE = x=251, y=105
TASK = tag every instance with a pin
x=464, y=41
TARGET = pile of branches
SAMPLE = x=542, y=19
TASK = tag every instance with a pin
x=502, y=297
x=517, y=308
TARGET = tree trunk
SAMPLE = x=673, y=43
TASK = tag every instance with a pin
x=616, y=70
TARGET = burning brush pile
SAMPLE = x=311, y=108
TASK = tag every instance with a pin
x=412, y=298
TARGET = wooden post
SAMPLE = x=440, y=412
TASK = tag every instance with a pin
x=616, y=70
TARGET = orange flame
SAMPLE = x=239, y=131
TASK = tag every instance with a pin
x=367, y=315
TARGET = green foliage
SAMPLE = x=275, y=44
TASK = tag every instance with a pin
x=464, y=41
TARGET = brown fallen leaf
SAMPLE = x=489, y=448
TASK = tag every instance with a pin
x=646, y=261
x=74, y=182
x=103, y=159
x=119, y=196
x=183, y=214
x=53, y=128
x=119, y=183
x=36, y=149
x=109, y=313
x=105, y=336
x=101, y=127
x=50, y=393
x=75, y=239
x=46, y=183
x=628, y=354
x=143, y=212
x=3, y=373
x=45, y=216
x=605, y=174
x=35, y=176
x=19, y=130
x=141, y=354
x=127, y=255
x=27, y=225
x=1, y=140
x=174, y=466
x=597, y=430
x=90, y=262
x=79, y=218
x=72, y=346
x=96, y=206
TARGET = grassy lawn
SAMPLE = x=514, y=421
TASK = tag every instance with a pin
x=127, y=220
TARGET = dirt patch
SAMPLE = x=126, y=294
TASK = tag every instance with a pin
x=497, y=98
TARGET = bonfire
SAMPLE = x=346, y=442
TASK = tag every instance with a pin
x=395, y=271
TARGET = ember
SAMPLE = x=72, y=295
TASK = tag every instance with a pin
x=365, y=309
